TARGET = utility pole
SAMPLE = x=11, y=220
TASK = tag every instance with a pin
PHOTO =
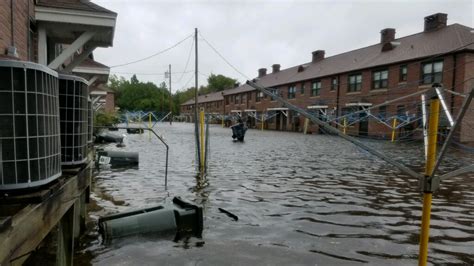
x=196, y=127
x=171, y=99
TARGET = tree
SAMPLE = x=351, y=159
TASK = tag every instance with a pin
x=219, y=83
x=134, y=79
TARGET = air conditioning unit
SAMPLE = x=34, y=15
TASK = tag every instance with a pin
x=74, y=115
x=90, y=120
x=30, y=153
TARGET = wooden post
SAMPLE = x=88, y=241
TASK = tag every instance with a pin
x=427, y=195
x=223, y=120
x=345, y=125
x=394, y=128
x=263, y=120
x=65, y=243
x=306, y=123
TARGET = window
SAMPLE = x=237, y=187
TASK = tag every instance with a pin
x=432, y=72
x=237, y=99
x=249, y=97
x=276, y=92
x=383, y=112
x=227, y=100
x=315, y=88
x=380, y=79
x=401, y=110
x=302, y=88
x=334, y=83
x=291, y=92
x=355, y=83
x=403, y=73
x=258, y=96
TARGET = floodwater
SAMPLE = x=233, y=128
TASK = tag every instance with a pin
x=300, y=200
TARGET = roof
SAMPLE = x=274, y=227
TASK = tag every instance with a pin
x=91, y=63
x=83, y=5
x=421, y=45
x=101, y=87
x=210, y=97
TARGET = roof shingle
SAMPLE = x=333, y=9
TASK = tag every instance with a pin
x=416, y=46
x=76, y=5
x=211, y=97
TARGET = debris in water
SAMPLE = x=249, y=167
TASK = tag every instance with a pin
x=228, y=213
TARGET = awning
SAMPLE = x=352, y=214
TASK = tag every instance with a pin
x=77, y=26
x=277, y=109
x=317, y=107
x=358, y=104
x=250, y=110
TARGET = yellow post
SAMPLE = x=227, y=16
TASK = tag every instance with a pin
x=149, y=126
x=263, y=120
x=201, y=122
x=345, y=125
x=306, y=123
x=427, y=195
x=394, y=129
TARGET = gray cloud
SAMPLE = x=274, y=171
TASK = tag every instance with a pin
x=255, y=34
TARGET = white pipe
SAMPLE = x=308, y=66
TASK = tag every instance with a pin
x=445, y=107
x=425, y=132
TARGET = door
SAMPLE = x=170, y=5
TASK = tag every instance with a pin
x=363, y=124
x=278, y=121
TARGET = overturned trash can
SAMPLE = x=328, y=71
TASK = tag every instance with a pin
x=135, y=130
x=117, y=158
x=107, y=137
x=238, y=131
x=180, y=217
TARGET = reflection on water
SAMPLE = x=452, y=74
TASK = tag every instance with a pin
x=299, y=199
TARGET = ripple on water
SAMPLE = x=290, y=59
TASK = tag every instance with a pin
x=300, y=199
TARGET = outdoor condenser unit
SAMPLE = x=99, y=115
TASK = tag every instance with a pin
x=74, y=114
x=29, y=125
x=90, y=120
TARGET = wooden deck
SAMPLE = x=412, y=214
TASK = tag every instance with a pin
x=25, y=220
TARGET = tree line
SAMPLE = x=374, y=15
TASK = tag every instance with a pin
x=134, y=95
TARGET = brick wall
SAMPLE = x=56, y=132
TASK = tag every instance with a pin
x=109, y=102
x=465, y=83
x=395, y=89
x=21, y=22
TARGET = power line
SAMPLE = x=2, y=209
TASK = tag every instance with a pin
x=222, y=57
x=187, y=62
x=155, y=54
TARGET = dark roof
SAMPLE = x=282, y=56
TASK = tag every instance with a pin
x=82, y=5
x=416, y=46
x=210, y=97
x=101, y=87
x=92, y=64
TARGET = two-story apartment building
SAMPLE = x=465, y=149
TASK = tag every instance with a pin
x=212, y=103
x=342, y=84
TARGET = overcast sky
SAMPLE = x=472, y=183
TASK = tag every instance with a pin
x=254, y=34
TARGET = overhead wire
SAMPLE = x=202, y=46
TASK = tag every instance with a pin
x=154, y=54
x=187, y=62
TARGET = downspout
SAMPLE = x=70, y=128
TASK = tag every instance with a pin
x=11, y=23
x=453, y=84
x=337, y=97
x=28, y=41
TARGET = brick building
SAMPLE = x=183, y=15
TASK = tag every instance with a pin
x=341, y=84
x=212, y=104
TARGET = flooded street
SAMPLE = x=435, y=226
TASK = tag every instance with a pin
x=300, y=200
